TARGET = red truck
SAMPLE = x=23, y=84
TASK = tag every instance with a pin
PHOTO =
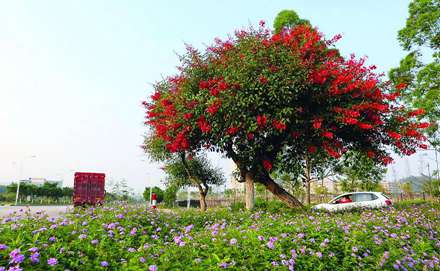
x=88, y=188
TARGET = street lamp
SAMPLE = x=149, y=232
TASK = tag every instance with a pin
x=21, y=176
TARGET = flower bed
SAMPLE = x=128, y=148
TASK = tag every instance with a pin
x=130, y=238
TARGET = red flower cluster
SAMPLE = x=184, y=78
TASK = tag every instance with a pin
x=416, y=112
x=232, y=130
x=317, y=123
x=327, y=134
x=279, y=125
x=394, y=135
x=203, y=125
x=215, y=86
x=263, y=80
x=267, y=165
x=312, y=149
x=261, y=120
x=214, y=107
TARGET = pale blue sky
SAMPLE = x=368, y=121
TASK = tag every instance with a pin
x=73, y=73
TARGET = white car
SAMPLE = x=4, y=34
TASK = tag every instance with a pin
x=355, y=200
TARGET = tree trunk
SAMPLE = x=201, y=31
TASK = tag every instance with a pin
x=250, y=191
x=308, y=179
x=278, y=191
x=202, y=202
x=308, y=191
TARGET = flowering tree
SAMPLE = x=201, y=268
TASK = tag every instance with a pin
x=268, y=101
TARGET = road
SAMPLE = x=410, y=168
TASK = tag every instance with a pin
x=52, y=211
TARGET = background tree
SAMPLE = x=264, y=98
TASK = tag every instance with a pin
x=183, y=170
x=170, y=195
x=360, y=172
x=157, y=190
x=420, y=69
x=267, y=101
x=287, y=19
x=407, y=188
x=196, y=172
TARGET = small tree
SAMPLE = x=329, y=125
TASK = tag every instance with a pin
x=196, y=172
x=170, y=195
x=360, y=172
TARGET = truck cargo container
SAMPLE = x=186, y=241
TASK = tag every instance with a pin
x=88, y=188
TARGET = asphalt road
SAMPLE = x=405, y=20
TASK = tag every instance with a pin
x=52, y=211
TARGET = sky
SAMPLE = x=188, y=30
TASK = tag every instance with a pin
x=73, y=74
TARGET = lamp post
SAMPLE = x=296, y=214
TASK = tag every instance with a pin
x=21, y=176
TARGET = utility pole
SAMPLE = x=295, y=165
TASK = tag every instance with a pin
x=21, y=177
x=436, y=162
x=429, y=173
x=188, y=199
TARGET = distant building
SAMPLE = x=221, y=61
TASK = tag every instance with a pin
x=41, y=181
x=394, y=188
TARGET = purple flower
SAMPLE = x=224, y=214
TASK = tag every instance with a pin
x=2, y=268
x=354, y=249
x=189, y=228
x=52, y=261
x=120, y=216
x=33, y=249
x=152, y=268
x=16, y=256
x=393, y=235
x=130, y=249
x=3, y=247
x=224, y=265
x=261, y=238
x=35, y=257
x=233, y=241
x=52, y=239
x=319, y=254
x=14, y=268
x=82, y=236
x=142, y=260
x=133, y=231
x=104, y=263
x=274, y=263
x=94, y=242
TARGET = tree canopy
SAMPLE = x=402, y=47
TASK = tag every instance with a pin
x=268, y=99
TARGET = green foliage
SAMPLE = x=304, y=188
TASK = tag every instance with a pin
x=157, y=190
x=422, y=30
x=422, y=26
x=407, y=188
x=432, y=187
x=287, y=19
x=360, y=173
x=170, y=195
